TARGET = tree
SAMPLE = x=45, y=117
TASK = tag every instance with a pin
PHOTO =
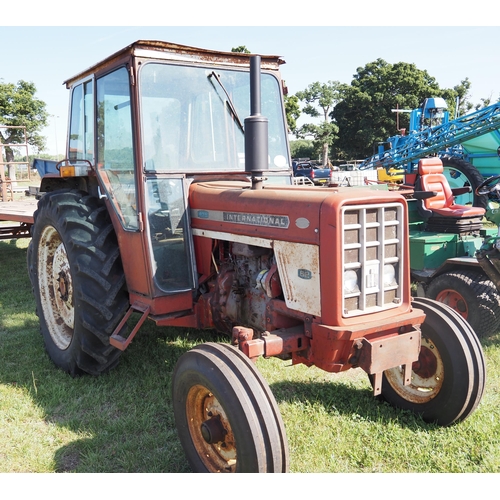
x=320, y=99
x=20, y=108
x=241, y=48
x=302, y=148
x=292, y=110
x=458, y=98
x=364, y=115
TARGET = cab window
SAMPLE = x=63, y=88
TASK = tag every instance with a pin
x=115, y=154
x=81, y=137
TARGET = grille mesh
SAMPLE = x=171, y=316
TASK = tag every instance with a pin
x=372, y=239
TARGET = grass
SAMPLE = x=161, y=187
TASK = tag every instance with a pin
x=123, y=421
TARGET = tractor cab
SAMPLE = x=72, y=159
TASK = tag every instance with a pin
x=153, y=118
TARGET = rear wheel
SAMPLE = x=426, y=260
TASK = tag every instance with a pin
x=226, y=416
x=447, y=380
x=461, y=173
x=470, y=294
x=78, y=281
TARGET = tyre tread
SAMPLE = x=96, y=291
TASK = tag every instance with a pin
x=100, y=295
x=224, y=367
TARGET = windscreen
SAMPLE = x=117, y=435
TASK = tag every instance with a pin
x=191, y=119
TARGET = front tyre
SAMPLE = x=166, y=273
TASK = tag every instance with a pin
x=226, y=416
x=448, y=378
x=78, y=281
x=475, y=351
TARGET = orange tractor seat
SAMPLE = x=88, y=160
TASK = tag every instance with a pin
x=441, y=208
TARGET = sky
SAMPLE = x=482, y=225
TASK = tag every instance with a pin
x=47, y=52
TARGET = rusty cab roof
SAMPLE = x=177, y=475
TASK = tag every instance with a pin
x=155, y=49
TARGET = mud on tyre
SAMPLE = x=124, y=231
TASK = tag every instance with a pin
x=78, y=281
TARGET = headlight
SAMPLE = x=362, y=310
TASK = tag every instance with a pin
x=389, y=275
x=351, y=282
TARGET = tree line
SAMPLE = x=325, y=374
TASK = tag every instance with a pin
x=349, y=119
x=354, y=117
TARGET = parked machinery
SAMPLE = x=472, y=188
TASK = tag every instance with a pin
x=468, y=146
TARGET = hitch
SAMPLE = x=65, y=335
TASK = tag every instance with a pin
x=278, y=343
x=378, y=355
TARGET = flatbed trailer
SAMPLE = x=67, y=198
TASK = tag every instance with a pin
x=16, y=218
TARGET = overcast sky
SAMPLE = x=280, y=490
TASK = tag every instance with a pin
x=48, y=55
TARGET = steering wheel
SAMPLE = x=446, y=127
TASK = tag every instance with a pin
x=489, y=185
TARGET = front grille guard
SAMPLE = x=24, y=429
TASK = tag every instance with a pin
x=373, y=246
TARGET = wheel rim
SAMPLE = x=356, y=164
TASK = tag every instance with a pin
x=56, y=288
x=426, y=379
x=457, y=179
x=454, y=300
x=210, y=430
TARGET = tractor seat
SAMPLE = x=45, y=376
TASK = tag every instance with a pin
x=442, y=207
x=430, y=171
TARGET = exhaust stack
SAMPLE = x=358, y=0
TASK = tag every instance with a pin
x=256, y=130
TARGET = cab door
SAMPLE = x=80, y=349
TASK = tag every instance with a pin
x=169, y=232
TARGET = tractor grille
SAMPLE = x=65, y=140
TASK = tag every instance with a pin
x=372, y=240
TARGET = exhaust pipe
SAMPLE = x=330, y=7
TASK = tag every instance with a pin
x=256, y=130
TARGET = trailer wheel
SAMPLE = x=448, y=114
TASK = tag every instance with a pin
x=226, y=415
x=78, y=281
x=472, y=295
x=461, y=173
x=447, y=381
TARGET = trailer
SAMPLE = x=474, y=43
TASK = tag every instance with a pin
x=16, y=218
x=17, y=215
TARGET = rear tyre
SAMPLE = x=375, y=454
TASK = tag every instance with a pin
x=448, y=379
x=470, y=294
x=461, y=173
x=226, y=415
x=78, y=281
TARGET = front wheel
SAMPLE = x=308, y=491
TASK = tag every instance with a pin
x=226, y=416
x=78, y=281
x=447, y=380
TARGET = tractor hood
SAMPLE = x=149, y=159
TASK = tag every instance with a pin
x=291, y=213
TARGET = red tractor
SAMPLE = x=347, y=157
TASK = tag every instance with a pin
x=170, y=204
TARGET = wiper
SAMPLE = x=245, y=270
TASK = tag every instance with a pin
x=229, y=101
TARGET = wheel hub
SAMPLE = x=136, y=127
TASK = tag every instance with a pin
x=63, y=286
x=212, y=430
x=426, y=365
x=455, y=301
x=426, y=379
x=63, y=289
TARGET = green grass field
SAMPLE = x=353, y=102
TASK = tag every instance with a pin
x=123, y=421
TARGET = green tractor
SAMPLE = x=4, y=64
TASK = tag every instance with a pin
x=454, y=255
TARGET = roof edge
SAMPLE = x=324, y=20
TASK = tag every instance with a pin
x=190, y=52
